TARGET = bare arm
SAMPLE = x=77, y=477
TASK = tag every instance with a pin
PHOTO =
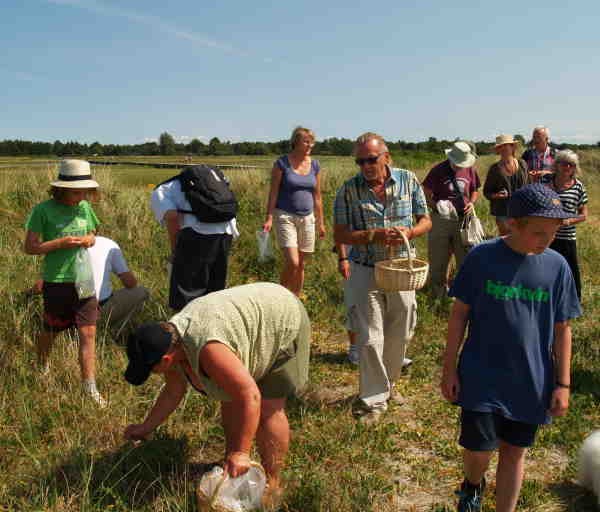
x=582, y=211
x=173, y=226
x=168, y=400
x=227, y=371
x=562, y=358
x=276, y=175
x=34, y=245
x=457, y=324
x=319, y=207
x=128, y=279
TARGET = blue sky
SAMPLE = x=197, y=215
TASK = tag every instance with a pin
x=123, y=71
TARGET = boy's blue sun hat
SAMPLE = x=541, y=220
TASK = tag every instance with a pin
x=536, y=200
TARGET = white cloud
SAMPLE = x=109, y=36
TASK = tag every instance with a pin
x=154, y=23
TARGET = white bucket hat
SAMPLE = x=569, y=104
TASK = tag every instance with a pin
x=461, y=155
x=74, y=174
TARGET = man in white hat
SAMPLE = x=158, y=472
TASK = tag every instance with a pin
x=371, y=210
x=451, y=188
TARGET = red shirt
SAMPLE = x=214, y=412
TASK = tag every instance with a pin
x=439, y=182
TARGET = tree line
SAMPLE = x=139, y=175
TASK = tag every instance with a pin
x=166, y=145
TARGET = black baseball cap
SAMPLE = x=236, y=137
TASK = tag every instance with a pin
x=536, y=200
x=145, y=347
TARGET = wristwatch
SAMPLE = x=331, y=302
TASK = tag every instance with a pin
x=561, y=385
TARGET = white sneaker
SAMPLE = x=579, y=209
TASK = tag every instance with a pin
x=353, y=354
x=95, y=395
x=406, y=362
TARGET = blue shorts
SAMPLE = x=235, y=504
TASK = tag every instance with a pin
x=482, y=431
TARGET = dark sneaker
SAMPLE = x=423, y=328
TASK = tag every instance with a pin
x=469, y=497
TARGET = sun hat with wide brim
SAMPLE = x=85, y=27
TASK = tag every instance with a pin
x=74, y=174
x=505, y=139
x=461, y=154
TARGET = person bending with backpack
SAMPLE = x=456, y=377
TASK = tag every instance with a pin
x=198, y=210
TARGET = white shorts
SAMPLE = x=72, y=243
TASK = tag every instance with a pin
x=295, y=230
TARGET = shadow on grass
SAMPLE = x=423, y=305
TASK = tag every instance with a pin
x=129, y=477
x=574, y=497
x=332, y=358
x=586, y=382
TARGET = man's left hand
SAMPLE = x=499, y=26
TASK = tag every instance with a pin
x=237, y=463
x=469, y=207
x=559, y=402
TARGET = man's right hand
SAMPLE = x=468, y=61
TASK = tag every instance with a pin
x=237, y=463
x=137, y=432
x=450, y=385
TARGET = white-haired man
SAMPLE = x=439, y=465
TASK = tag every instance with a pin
x=371, y=209
x=540, y=156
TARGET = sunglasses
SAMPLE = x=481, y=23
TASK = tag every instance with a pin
x=368, y=160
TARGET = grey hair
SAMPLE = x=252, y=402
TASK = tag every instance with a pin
x=363, y=139
x=541, y=128
x=566, y=155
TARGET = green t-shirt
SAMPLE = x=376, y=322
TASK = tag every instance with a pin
x=259, y=322
x=52, y=220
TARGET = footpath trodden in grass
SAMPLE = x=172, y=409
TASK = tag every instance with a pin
x=60, y=453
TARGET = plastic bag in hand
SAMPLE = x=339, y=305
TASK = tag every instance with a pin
x=84, y=277
x=218, y=492
x=265, y=248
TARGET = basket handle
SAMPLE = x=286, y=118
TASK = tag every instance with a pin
x=388, y=249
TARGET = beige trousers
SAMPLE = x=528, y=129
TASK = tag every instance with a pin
x=443, y=240
x=121, y=306
x=386, y=323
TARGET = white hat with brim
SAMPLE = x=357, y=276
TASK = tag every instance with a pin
x=461, y=155
x=74, y=174
x=505, y=139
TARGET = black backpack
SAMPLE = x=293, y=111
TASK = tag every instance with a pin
x=207, y=190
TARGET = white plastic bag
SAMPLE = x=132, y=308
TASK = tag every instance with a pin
x=471, y=231
x=217, y=491
x=265, y=248
x=84, y=276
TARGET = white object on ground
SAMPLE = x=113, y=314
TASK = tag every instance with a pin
x=589, y=464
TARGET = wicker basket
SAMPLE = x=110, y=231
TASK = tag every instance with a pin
x=401, y=274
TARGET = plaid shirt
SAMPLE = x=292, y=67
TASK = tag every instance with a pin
x=539, y=161
x=357, y=206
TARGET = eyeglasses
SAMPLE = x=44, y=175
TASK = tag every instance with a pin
x=368, y=160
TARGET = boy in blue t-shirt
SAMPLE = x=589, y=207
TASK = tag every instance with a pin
x=513, y=373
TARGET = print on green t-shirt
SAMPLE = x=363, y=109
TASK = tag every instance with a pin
x=52, y=220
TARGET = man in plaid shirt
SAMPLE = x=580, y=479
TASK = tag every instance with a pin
x=371, y=209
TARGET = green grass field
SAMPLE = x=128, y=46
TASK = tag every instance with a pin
x=60, y=453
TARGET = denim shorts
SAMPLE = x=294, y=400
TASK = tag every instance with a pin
x=482, y=431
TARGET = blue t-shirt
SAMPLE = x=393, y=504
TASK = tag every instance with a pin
x=296, y=191
x=506, y=364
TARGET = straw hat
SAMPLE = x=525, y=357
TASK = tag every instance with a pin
x=505, y=139
x=461, y=155
x=74, y=174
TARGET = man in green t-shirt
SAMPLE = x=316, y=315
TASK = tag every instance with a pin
x=246, y=346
